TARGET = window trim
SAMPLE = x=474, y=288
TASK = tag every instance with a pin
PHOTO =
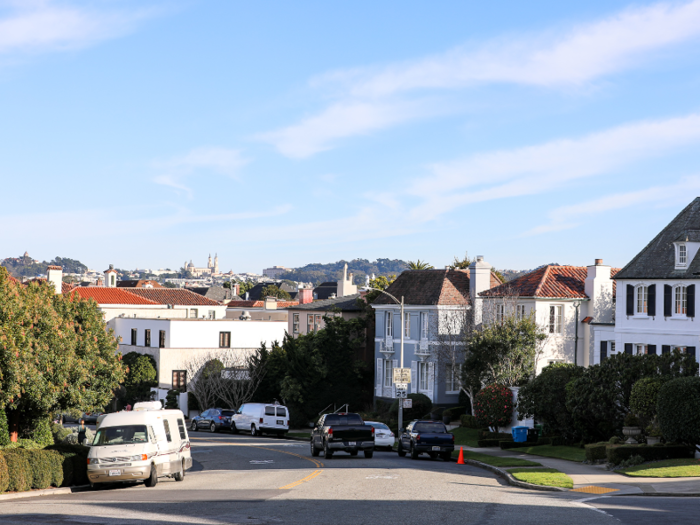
x=134, y=337
x=500, y=313
x=644, y=300
x=683, y=300
x=389, y=324
x=424, y=320
x=161, y=339
x=422, y=376
x=681, y=258
x=224, y=339
x=407, y=325
x=147, y=337
x=295, y=323
x=556, y=319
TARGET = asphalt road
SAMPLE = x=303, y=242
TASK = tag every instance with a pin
x=240, y=479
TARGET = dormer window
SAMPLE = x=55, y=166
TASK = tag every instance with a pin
x=682, y=255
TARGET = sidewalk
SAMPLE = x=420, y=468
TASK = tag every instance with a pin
x=595, y=476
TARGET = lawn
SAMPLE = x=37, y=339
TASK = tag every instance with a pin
x=547, y=477
x=305, y=435
x=467, y=437
x=669, y=468
x=497, y=461
x=558, y=452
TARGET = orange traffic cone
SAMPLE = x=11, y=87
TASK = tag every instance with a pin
x=460, y=459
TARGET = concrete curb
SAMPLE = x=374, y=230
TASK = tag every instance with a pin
x=509, y=478
x=44, y=492
x=660, y=494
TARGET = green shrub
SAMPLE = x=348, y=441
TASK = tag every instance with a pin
x=632, y=461
x=41, y=432
x=4, y=430
x=4, y=479
x=616, y=454
x=55, y=460
x=679, y=410
x=20, y=474
x=493, y=406
x=631, y=420
x=468, y=421
x=596, y=451
x=488, y=442
x=525, y=444
x=171, y=400
x=59, y=433
x=422, y=405
x=615, y=440
x=74, y=463
x=644, y=397
x=487, y=434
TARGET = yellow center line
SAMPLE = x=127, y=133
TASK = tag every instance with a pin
x=299, y=482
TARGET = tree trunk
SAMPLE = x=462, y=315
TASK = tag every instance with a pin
x=13, y=424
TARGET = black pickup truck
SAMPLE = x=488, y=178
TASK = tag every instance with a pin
x=342, y=433
x=429, y=437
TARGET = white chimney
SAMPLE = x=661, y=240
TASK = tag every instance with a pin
x=111, y=277
x=54, y=275
x=479, y=281
x=598, y=287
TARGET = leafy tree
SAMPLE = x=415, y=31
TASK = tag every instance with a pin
x=140, y=377
x=55, y=353
x=274, y=362
x=419, y=265
x=244, y=286
x=168, y=284
x=379, y=283
x=461, y=264
x=493, y=406
x=272, y=290
x=644, y=397
x=679, y=411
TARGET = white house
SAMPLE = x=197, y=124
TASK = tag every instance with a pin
x=656, y=292
x=574, y=304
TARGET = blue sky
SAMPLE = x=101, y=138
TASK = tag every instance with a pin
x=146, y=133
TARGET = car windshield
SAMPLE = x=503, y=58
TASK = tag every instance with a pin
x=124, y=435
x=381, y=426
x=228, y=413
x=345, y=419
x=435, y=428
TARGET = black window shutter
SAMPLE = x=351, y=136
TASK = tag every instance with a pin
x=668, y=300
x=603, y=350
x=630, y=299
x=665, y=349
x=691, y=300
x=651, y=308
x=628, y=348
x=651, y=349
x=690, y=350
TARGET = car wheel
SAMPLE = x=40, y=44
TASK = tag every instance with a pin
x=234, y=430
x=212, y=428
x=353, y=453
x=254, y=431
x=446, y=456
x=414, y=452
x=180, y=476
x=314, y=451
x=193, y=426
x=327, y=452
x=152, y=481
x=369, y=454
x=401, y=451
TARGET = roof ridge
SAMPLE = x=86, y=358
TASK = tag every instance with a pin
x=545, y=274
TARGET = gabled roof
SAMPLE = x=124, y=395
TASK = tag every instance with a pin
x=104, y=295
x=430, y=287
x=215, y=293
x=260, y=304
x=177, y=296
x=562, y=282
x=138, y=283
x=344, y=304
x=658, y=258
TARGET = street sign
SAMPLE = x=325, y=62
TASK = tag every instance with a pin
x=408, y=403
x=401, y=386
x=402, y=375
x=401, y=394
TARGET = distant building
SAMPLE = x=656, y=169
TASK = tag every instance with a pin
x=275, y=271
x=211, y=269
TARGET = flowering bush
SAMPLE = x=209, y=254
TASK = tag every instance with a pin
x=493, y=406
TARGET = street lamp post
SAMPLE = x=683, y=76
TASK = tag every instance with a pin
x=401, y=324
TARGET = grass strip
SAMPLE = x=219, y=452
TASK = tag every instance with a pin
x=558, y=452
x=497, y=461
x=467, y=437
x=547, y=477
x=668, y=468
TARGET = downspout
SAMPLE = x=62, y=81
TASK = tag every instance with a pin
x=576, y=305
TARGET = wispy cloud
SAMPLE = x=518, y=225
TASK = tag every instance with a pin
x=568, y=217
x=373, y=98
x=37, y=26
x=546, y=167
x=221, y=161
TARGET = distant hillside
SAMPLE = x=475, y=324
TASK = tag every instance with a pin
x=25, y=266
x=318, y=273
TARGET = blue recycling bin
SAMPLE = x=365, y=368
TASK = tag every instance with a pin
x=520, y=434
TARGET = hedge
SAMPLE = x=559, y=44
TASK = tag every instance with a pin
x=490, y=442
x=30, y=469
x=679, y=410
x=74, y=463
x=4, y=478
x=468, y=421
x=20, y=475
x=596, y=451
x=514, y=444
x=616, y=454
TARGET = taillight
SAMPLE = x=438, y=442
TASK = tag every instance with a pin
x=417, y=437
x=372, y=430
x=330, y=432
x=221, y=417
x=453, y=438
x=261, y=420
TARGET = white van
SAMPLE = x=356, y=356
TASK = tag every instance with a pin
x=141, y=445
x=259, y=418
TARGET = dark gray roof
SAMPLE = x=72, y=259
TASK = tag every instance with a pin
x=255, y=293
x=658, y=259
x=345, y=304
x=215, y=293
x=325, y=290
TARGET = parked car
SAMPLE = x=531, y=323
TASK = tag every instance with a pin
x=430, y=437
x=261, y=418
x=342, y=433
x=90, y=418
x=213, y=420
x=383, y=436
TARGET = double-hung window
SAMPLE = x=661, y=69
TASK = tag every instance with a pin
x=407, y=325
x=388, y=372
x=423, y=376
x=295, y=323
x=424, y=316
x=682, y=255
x=147, y=337
x=500, y=313
x=555, y=319
x=389, y=325
x=451, y=384
x=161, y=339
x=520, y=312
x=133, y=336
x=681, y=300
x=642, y=299
x=640, y=349
x=310, y=323
x=317, y=322
x=224, y=339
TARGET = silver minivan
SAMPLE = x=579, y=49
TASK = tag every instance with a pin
x=261, y=418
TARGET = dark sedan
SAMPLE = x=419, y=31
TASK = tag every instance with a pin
x=430, y=437
x=213, y=420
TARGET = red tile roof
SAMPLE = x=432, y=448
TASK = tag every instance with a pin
x=104, y=295
x=566, y=282
x=260, y=304
x=177, y=296
x=67, y=287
